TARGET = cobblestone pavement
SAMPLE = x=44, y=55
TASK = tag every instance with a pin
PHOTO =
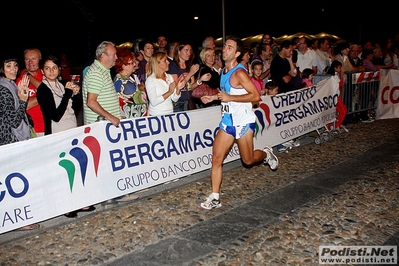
x=340, y=192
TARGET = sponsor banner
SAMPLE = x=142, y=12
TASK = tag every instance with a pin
x=374, y=255
x=388, y=95
x=48, y=176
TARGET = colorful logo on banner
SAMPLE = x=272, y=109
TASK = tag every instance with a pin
x=81, y=157
x=263, y=116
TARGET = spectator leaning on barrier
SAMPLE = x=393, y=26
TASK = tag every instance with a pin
x=14, y=124
x=388, y=51
x=367, y=57
x=207, y=56
x=282, y=70
x=323, y=56
x=335, y=70
x=55, y=98
x=306, y=57
x=342, y=55
x=271, y=88
x=264, y=55
x=297, y=80
x=56, y=104
x=100, y=100
x=256, y=69
x=307, y=77
x=378, y=60
x=162, y=90
x=132, y=97
x=99, y=94
x=355, y=60
x=183, y=66
x=32, y=57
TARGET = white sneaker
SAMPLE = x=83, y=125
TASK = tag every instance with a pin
x=283, y=149
x=370, y=120
x=295, y=143
x=270, y=159
x=288, y=144
x=210, y=203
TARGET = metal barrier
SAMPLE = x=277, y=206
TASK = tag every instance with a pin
x=359, y=92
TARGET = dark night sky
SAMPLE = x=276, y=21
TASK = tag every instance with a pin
x=76, y=26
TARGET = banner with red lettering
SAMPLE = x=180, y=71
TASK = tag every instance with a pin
x=388, y=96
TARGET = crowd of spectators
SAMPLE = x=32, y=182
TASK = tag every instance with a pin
x=116, y=82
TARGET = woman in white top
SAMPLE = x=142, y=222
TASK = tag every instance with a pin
x=162, y=91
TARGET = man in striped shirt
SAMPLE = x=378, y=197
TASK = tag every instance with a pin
x=100, y=99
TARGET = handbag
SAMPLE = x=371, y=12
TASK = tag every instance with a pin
x=203, y=90
x=190, y=102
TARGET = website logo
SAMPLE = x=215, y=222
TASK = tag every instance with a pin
x=358, y=255
x=81, y=159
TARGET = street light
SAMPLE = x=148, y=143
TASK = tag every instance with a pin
x=223, y=23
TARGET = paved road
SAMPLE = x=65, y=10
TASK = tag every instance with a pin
x=341, y=192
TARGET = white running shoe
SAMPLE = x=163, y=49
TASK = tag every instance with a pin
x=210, y=203
x=270, y=159
x=295, y=143
x=283, y=148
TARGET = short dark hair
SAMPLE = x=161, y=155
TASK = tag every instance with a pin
x=341, y=46
x=52, y=58
x=331, y=69
x=366, y=53
x=256, y=62
x=271, y=85
x=240, y=45
x=142, y=44
x=285, y=44
x=5, y=58
x=307, y=72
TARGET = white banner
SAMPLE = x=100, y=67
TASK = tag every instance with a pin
x=48, y=176
x=388, y=96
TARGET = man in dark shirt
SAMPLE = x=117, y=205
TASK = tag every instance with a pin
x=282, y=70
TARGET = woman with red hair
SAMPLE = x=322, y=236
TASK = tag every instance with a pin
x=132, y=96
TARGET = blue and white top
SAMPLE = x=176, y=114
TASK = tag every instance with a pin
x=235, y=113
